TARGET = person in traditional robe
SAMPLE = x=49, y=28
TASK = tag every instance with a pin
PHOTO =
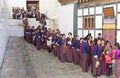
x=55, y=44
x=59, y=43
x=117, y=61
x=38, y=40
x=49, y=40
x=53, y=34
x=108, y=61
x=103, y=64
x=43, y=39
x=90, y=42
x=85, y=54
x=28, y=34
x=34, y=37
x=26, y=30
x=69, y=41
x=96, y=65
x=32, y=33
x=25, y=21
x=76, y=46
x=113, y=56
x=80, y=52
x=14, y=15
x=63, y=49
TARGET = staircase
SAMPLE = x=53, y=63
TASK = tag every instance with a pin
x=16, y=27
x=33, y=22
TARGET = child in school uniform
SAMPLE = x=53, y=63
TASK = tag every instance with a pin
x=85, y=53
x=63, y=49
x=96, y=64
x=108, y=61
x=76, y=46
x=69, y=45
x=80, y=51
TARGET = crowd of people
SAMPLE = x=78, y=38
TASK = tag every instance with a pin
x=96, y=55
x=20, y=13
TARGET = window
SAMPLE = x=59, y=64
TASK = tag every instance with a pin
x=88, y=22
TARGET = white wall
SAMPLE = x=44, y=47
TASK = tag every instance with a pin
x=50, y=7
x=65, y=22
x=4, y=35
x=1, y=6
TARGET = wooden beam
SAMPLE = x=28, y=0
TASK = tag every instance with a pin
x=96, y=2
x=67, y=1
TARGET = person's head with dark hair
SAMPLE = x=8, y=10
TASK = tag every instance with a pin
x=57, y=34
x=99, y=41
x=39, y=27
x=57, y=31
x=117, y=45
x=89, y=34
x=28, y=27
x=77, y=37
x=33, y=27
x=42, y=30
x=49, y=29
x=38, y=30
x=63, y=36
x=53, y=31
x=81, y=40
x=45, y=28
x=99, y=35
x=95, y=41
x=85, y=39
x=107, y=43
x=70, y=34
x=90, y=38
x=103, y=42
x=106, y=51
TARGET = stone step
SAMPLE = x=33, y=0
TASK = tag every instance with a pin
x=33, y=22
x=16, y=31
x=14, y=22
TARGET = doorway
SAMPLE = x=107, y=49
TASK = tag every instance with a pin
x=32, y=5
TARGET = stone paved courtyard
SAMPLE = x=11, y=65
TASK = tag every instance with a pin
x=22, y=60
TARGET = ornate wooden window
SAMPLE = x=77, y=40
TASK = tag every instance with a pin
x=88, y=22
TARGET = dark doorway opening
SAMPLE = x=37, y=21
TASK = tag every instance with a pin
x=32, y=5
